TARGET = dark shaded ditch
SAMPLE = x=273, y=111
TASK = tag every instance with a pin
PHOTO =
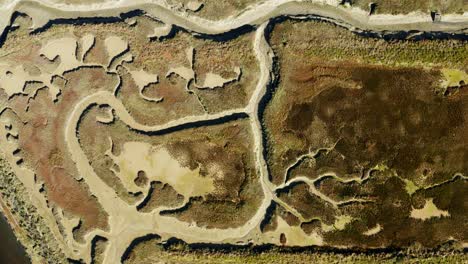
x=196, y=124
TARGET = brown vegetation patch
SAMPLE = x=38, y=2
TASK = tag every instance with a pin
x=392, y=118
x=366, y=117
x=44, y=149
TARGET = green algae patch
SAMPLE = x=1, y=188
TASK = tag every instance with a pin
x=454, y=78
x=410, y=186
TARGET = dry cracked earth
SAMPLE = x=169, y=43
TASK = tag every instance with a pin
x=169, y=131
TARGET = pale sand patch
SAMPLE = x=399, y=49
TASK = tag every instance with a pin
x=69, y=224
x=131, y=21
x=213, y=80
x=294, y=235
x=340, y=223
x=158, y=165
x=143, y=79
x=126, y=58
x=428, y=211
x=194, y=6
x=13, y=79
x=65, y=49
x=160, y=31
x=106, y=117
x=185, y=73
x=115, y=46
x=373, y=230
x=86, y=43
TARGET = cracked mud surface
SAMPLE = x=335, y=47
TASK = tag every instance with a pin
x=144, y=133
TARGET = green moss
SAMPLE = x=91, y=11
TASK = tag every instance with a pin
x=284, y=256
x=454, y=78
x=410, y=187
x=323, y=41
